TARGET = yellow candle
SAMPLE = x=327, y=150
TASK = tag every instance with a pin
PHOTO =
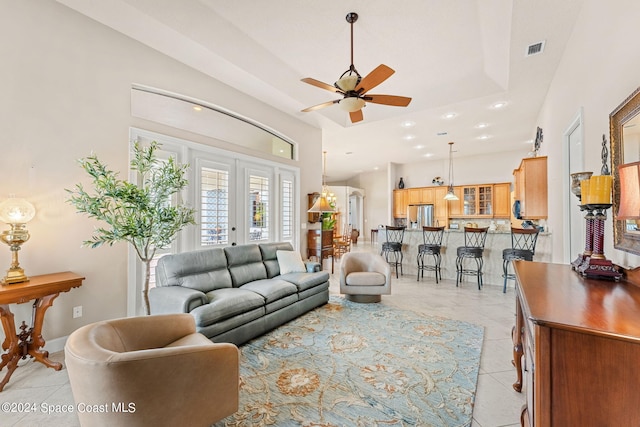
x=606, y=185
x=584, y=191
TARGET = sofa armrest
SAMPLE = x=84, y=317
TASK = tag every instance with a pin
x=175, y=299
x=312, y=266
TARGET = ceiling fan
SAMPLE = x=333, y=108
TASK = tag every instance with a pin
x=353, y=87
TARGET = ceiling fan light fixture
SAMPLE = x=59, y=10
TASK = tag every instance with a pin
x=351, y=104
x=348, y=83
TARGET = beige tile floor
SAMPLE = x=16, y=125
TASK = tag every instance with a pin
x=496, y=404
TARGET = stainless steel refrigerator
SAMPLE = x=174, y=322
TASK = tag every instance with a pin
x=419, y=216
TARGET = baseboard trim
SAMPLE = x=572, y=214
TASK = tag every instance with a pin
x=56, y=345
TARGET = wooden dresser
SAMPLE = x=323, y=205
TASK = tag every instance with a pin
x=581, y=344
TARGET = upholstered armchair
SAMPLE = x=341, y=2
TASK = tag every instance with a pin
x=364, y=277
x=151, y=371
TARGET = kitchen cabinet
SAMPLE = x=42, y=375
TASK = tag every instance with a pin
x=427, y=195
x=502, y=200
x=578, y=361
x=456, y=207
x=440, y=207
x=474, y=201
x=420, y=196
x=531, y=187
x=400, y=202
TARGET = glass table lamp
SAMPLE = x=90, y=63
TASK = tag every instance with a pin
x=15, y=212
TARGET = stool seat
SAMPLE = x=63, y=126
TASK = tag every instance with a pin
x=429, y=249
x=515, y=254
x=466, y=252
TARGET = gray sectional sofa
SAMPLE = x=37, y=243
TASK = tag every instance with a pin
x=236, y=293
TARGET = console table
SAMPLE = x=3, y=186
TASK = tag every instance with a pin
x=29, y=342
x=581, y=344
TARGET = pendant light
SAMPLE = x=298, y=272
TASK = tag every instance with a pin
x=450, y=194
x=323, y=203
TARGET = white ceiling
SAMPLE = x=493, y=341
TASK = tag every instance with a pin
x=457, y=56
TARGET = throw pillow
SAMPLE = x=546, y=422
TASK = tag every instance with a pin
x=290, y=262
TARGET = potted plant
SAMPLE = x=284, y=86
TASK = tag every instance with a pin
x=141, y=214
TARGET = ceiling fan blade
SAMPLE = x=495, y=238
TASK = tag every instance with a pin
x=319, y=106
x=393, y=100
x=356, y=116
x=322, y=85
x=374, y=78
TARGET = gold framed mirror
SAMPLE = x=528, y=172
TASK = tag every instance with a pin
x=624, y=128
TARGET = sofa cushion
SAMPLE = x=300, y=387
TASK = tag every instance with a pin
x=290, y=262
x=203, y=270
x=305, y=281
x=245, y=264
x=271, y=289
x=269, y=257
x=226, y=303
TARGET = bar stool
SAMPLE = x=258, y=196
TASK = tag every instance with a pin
x=432, y=238
x=473, y=248
x=523, y=247
x=393, y=247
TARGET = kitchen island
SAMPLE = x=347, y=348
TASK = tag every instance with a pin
x=492, y=256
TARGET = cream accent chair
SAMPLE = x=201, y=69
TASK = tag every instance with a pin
x=171, y=375
x=364, y=277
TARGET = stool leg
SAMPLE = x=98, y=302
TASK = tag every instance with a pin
x=458, y=269
x=505, y=272
x=420, y=268
x=480, y=263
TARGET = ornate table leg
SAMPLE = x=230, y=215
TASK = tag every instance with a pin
x=516, y=336
x=36, y=342
x=11, y=345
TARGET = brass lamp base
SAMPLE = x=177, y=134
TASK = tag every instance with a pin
x=14, y=275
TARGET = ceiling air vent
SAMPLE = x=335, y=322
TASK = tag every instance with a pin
x=535, y=48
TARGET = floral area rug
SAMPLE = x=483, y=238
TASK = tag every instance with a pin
x=350, y=364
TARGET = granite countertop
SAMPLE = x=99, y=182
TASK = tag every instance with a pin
x=461, y=230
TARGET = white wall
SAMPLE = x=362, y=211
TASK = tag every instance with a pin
x=599, y=69
x=66, y=93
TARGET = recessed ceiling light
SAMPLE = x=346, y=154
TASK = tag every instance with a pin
x=409, y=137
x=449, y=115
x=498, y=105
x=407, y=124
x=482, y=125
x=529, y=141
x=418, y=147
x=375, y=168
x=484, y=137
x=197, y=108
x=428, y=155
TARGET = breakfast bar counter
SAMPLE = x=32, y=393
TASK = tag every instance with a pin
x=452, y=239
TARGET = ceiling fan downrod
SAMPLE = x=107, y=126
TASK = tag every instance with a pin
x=347, y=81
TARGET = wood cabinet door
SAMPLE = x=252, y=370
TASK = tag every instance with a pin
x=427, y=195
x=399, y=203
x=414, y=195
x=456, y=206
x=440, y=206
x=502, y=200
